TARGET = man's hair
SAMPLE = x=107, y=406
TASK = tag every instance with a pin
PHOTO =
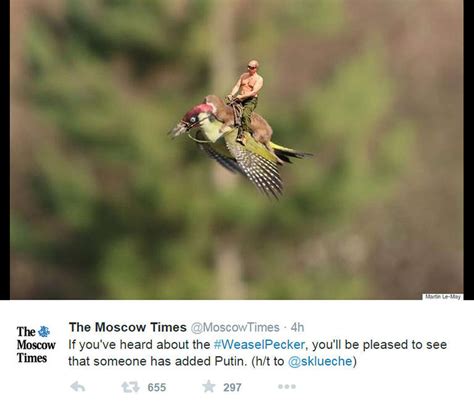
x=255, y=62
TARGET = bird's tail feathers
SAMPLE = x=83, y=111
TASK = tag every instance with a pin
x=284, y=153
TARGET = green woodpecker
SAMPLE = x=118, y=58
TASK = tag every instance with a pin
x=257, y=160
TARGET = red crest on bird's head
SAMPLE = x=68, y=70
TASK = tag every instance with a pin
x=203, y=107
x=190, y=119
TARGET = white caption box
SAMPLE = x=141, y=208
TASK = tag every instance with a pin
x=258, y=353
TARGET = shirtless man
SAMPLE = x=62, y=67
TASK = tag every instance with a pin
x=248, y=86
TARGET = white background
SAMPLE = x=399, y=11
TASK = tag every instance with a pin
x=382, y=378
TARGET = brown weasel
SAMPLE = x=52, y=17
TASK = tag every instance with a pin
x=223, y=112
x=262, y=132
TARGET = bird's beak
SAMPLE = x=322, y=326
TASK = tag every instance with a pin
x=179, y=129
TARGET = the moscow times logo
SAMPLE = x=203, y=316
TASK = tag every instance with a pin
x=30, y=348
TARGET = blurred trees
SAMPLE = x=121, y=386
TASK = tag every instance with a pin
x=118, y=210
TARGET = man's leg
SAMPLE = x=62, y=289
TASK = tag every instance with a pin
x=248, y=107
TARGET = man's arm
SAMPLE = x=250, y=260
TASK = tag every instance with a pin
x=236, y=88
x=258, y=85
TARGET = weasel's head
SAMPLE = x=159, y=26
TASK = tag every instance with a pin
x=213, y=101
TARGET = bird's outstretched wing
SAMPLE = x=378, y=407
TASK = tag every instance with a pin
x=228, y=162
x=260, y=170
x=218, y=152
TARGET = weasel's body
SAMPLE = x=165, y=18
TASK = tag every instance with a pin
x=262, y=132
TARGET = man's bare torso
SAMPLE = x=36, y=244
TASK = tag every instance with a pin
x=247, y=82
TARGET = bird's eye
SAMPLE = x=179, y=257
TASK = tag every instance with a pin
x=193, y=119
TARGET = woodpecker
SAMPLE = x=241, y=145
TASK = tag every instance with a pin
x=249, y=157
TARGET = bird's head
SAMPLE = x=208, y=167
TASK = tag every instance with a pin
x=192, y=119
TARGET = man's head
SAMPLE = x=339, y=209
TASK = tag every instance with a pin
x=252, y=66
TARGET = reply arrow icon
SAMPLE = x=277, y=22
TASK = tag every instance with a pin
x=76, y=387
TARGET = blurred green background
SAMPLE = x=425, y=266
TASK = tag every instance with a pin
x=104, y=205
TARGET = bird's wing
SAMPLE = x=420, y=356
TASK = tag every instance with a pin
x=228, y=162
x=217, y=151
x=257, y=166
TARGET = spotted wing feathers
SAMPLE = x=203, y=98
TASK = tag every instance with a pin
x=227, y=162
x=260, y=171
